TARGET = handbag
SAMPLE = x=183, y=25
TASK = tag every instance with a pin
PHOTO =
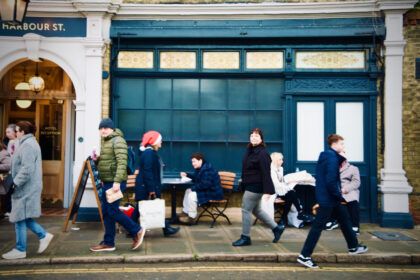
x=112, y=196
x=8, y=185
x=152, y=213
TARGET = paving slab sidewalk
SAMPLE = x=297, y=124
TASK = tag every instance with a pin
x=202, y=243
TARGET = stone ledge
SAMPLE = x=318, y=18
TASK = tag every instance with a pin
x=375, y=258
x=287, y=257
x=324, y=258
x=371, y=258
x=415, y=258
x=160, y=259
x=220, y=257
x=25, y=261
x=260, y=257
x=90, y=259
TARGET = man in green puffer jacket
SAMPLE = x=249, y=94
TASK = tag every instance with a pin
x=112, y=167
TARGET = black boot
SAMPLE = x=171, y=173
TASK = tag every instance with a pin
x=167, y=231
x=243, y=241
x=278, y=230
x=306, y=218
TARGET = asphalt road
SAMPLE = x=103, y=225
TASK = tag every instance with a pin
x=208, y=270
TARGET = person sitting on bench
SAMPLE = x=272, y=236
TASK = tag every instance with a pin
x=206, y=187
x=285, y=191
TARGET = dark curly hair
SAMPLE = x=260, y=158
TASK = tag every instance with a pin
x=257, y=131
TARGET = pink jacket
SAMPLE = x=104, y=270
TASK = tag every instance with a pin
x=350, y=181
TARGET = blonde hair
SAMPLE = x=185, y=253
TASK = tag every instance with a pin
x=275, y=156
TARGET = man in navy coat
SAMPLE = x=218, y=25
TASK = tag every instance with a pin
x=328, y=195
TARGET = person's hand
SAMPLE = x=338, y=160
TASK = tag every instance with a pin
x=151, y=194
x=343, y=191
x=116, y=187
x=183, y=174
x=95, y=157
x=266, y=196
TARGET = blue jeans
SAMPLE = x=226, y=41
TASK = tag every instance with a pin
x=323, y=216
x=111, y=214
x=21, y=236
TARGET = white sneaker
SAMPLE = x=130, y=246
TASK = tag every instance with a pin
x=44, y=242
x=14, y=254
x=358, y=250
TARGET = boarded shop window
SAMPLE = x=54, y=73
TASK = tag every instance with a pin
x=349, y=124
x=310, y=130
x=213, y=116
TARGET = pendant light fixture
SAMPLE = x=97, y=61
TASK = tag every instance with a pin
x=36, y=83
x=13, y=11
x=24, y=84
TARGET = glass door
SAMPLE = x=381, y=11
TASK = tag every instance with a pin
x=51, y=138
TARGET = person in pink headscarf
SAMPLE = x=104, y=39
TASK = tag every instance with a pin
x=149, y=179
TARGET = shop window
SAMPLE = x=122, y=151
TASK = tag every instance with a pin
x=349, y=124
x=213, y=116
x=264, y=60
x=177, y=60
x=310, y=130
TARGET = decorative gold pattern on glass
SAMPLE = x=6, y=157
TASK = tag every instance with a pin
x=330, y=60
x=178, y=60
x=264, y=60
x=221, y=60
x=135, y=59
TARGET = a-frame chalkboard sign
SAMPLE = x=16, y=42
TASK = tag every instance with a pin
x=78, y=193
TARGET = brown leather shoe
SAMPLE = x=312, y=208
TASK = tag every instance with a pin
x=183, y=214
x=102, y=248
x=187, y=220
x=138, y=239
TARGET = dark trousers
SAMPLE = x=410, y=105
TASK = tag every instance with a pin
x=353, y=209
x=8, y=202
x=111, y=214
x=323, y=215
x=291, y=198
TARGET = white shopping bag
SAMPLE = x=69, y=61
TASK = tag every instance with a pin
x=292, y=218
x=152, y=213
x=268, y=205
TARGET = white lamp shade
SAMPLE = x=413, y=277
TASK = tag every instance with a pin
x=22, y=86
x=23, y=103
x=36, y=83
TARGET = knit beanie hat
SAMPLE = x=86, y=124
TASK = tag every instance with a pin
x=150, y=138
x=107, y=123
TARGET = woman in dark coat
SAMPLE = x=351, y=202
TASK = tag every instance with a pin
x=256, y=179
x=207, y=186
x=149, y=179
x=5, y=166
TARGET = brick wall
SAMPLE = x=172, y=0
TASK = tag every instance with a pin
x=411, y=110
x=106, y=82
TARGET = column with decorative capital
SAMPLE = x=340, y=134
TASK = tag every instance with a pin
x=394, y=186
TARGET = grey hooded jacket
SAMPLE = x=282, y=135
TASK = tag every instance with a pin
x=350, y=181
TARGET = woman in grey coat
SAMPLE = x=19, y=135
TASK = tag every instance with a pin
x=350, y=183
x=26, y=198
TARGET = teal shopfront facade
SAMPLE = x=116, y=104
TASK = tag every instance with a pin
x=205, y=84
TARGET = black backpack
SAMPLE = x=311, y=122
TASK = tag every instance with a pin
x=130, y=158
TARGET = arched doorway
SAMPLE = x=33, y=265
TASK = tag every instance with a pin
x=51, y=110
